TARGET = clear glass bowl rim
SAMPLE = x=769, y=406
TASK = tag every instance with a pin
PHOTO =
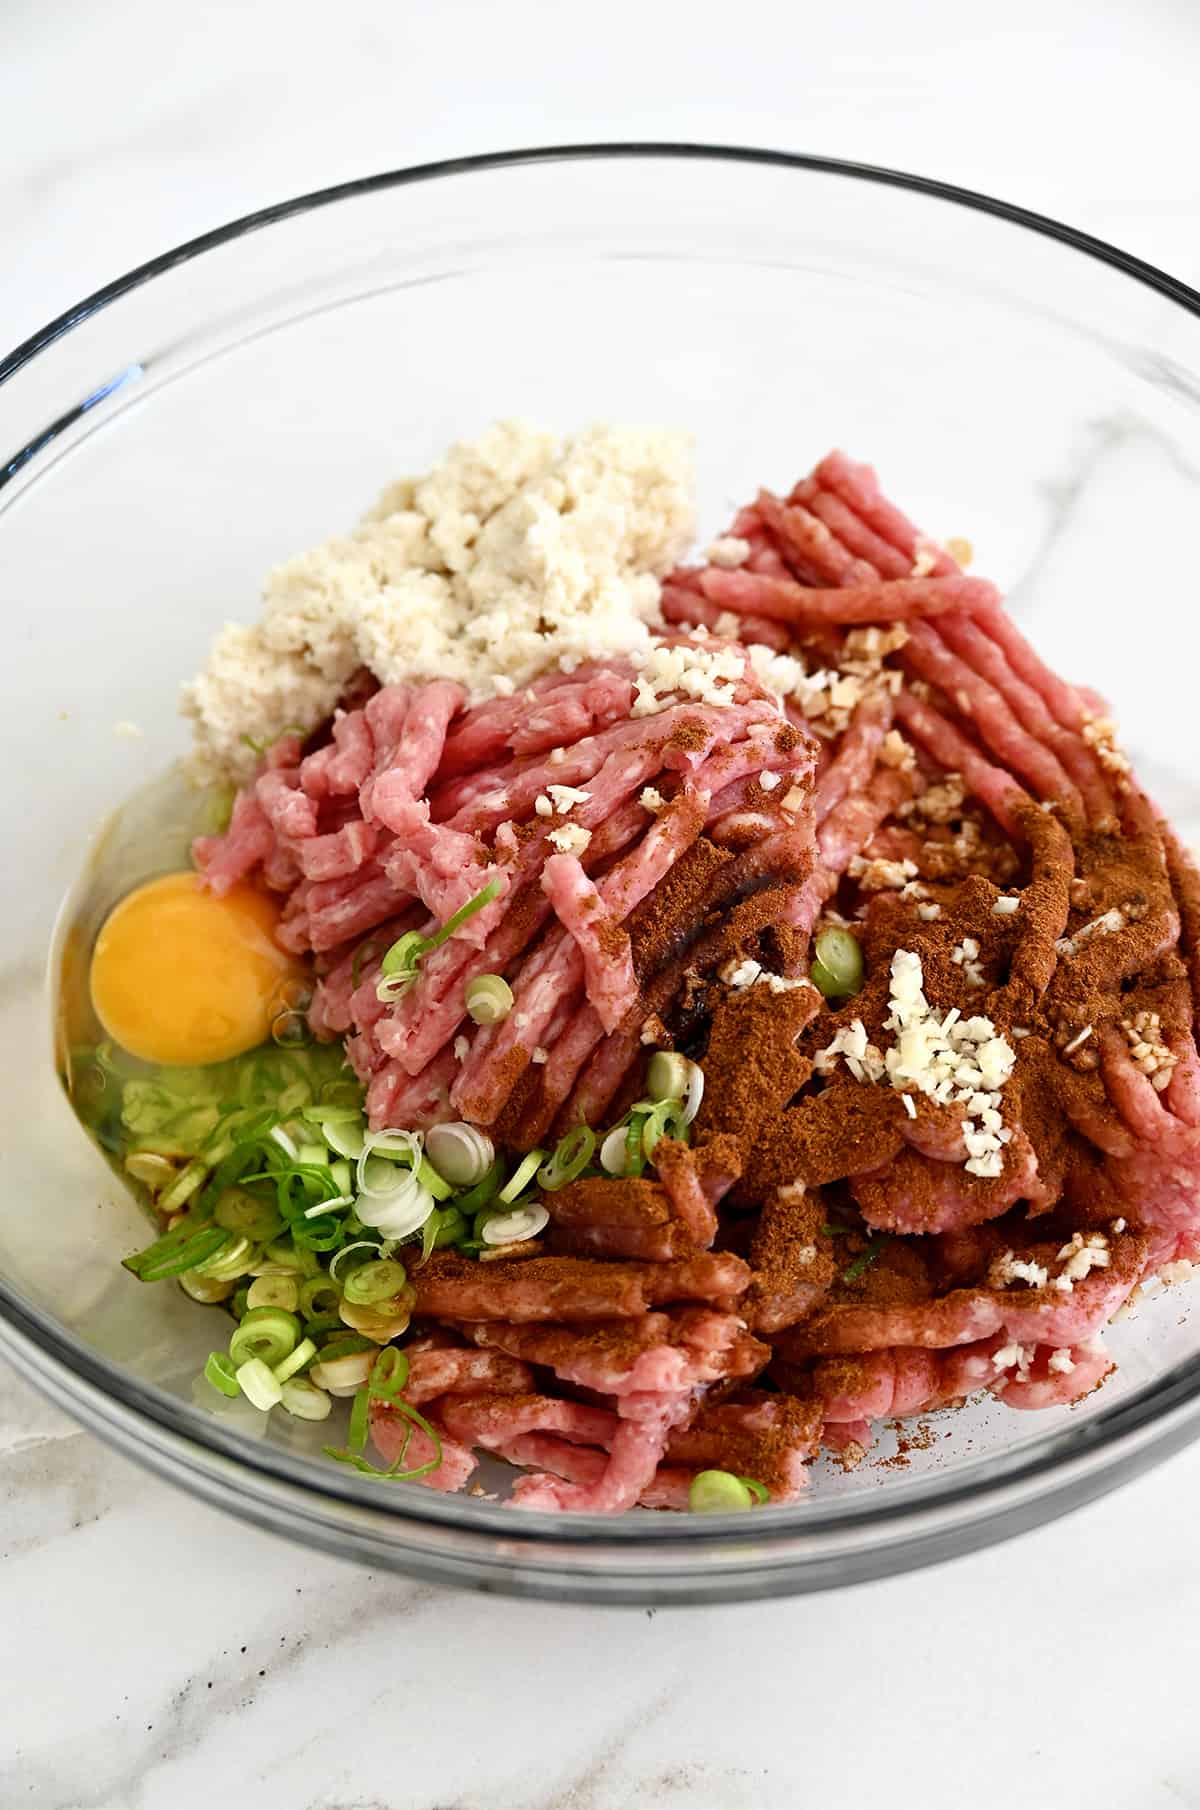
x=997, y=1497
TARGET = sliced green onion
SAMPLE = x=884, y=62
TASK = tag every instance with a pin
x=448, y=1225
x=231, y=1262
x=247, y=1214
x=269, y=1333
x=346, y=1136
x=429, y=1232
x=429, y=1178
x=488, y=998
x=758, y=1490
x=484, y=1191
x=524, y=1173
x=183, y=1187
x=302, y=1399
x=274, y=1291
x=654, y=1126
x=152, y=1170
x=668, y=1075
x=280, y=1137
x=395, y=1473
x=612, y=1151
x=404, y=954
x=219, y=1371
x=323, y=1234
x=718, y=1493
x=345, y=1345
x=291, y=1030
x=356, y=1433
x=340, y=1265
x=395, y=1203
x=378, y=1177
x=379, y=1167
x=513, y=1228
x=398, y=968
x=304, y=1353
x=327, y=1206
x=571, y=1157
x=258, y=1384
x=865, y=1259
x=205, y=1289
x=342, y=1092
x=181, y=1249
x=695, y=1093
x=319, y=1296
x=281, y=1259
x=389, y=1374
x=460, y=1152
x=837, y=969
x=634, y=1157
x=317, y=1325
x=324, y=1114
x=371, y=1283
x=483, y=897
x=342, y=1375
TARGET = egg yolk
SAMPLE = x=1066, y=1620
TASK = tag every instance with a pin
x=180, y=976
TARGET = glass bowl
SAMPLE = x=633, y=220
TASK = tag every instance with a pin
x=245, y=395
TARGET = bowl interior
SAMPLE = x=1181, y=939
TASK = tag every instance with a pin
x=246, y=403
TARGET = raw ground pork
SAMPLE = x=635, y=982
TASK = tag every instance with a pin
x=891, y=753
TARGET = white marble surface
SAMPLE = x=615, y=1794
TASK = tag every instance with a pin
x=160, y=1657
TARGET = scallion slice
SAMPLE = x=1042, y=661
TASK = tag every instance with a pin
x=523, y=1222
x=460, y=1152
x=718, y=1493
x=205, y=1289
x=220, y=1372
x=524, y=1173
x=612, y=1151
x=301, y=1398
x=571, y=1157
x=258, y=1384
x=488, y=998
x=374, y=1282
x=304, y=1353
x=356, y=1433
x=667, y=1076
x=269, y=1333
x=865, y=1259
x=400, y=963
x=181, y=1249
x=837, y=968
x=484, y=1191
x=274, y=1291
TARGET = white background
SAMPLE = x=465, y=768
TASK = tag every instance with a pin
x=160, y=1656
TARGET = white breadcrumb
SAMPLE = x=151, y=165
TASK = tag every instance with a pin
x=515, y=552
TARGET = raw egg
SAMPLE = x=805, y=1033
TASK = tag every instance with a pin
x=180, y=976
